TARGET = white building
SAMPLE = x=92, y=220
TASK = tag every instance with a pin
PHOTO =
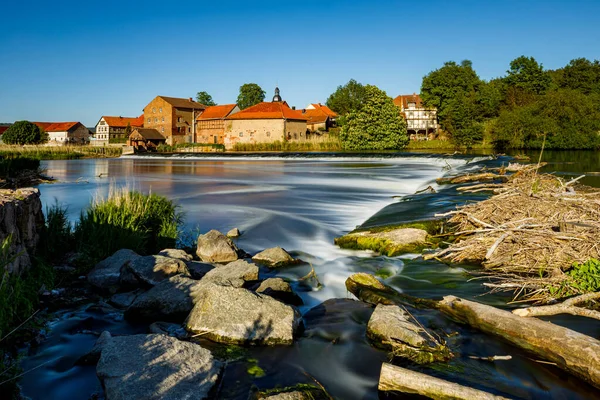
x=63, y=133
x=421, y=122
x=113, y=129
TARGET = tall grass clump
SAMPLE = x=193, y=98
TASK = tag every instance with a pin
x=316, y=145
x=144, y=223
x=57, y=237
x=59, y=152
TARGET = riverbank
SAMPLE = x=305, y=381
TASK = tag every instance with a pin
x=59, y=152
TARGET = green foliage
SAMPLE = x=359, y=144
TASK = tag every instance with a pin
x=254, y=369
x=250, y=94
x=205, y=98
x=581, y=74
x=144, y=223
x=128, y=131
x=24, y=132
x=59, y=152
x=165, y=148
x=444, y=86
x=347, y=99
x=332, y=145
x=376, y=125
x=586, y=277
x=57, y=236
x=528, y=75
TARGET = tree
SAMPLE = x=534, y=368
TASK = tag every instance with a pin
x=24, y=132
x=376, y=125
x=347, y=98
x=250, y=94
x=528, y=75
x=581, y=74
x=128, y=130
x=444, y=85
x=205, y=98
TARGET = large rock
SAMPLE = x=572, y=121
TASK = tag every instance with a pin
x=198, y=269
x=390, y=242
x=93, y=356
x=176, y=253
x=227, y=314
x=215, y=247
x=234, y=274
x=170, y=300
x=153, y=367
x=150, y=270
x=124, y=300
x=274, y=257
x=279, y=289
x=394, y=329
x=106, y=274
x=21, y=218
x=234, y=233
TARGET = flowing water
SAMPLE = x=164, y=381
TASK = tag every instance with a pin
x=300, y=203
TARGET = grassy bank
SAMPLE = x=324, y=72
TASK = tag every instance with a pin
x=445, y=145
x=59, y=152
x=332, y=145
x=190, y=147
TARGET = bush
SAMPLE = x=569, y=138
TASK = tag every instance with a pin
x=24, y=132
x=144, y=223
x=57, y=237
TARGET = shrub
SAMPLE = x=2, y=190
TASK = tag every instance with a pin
x=24, y=132
x=57, y=237
x=144, y=223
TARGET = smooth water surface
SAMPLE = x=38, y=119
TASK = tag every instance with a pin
x=300, y=204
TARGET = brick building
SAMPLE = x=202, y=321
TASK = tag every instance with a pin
x=173, y=118
x=210, y=124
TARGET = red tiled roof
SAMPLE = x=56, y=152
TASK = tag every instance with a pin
x=316, y=115
x=403, y=100
x=183, y=103
x=57, y=126
x=216, y=112
x=3, y=129
x=121, y=122
x=266, y=110
x=327, y=110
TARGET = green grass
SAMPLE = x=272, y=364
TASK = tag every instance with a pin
x=58, y=152
x=144, y=223
x=331, y=145
x=443, y=145
x=181, y=147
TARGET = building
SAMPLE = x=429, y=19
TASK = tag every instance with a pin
x=264, y=123
x=319, y=117
x=145, y=139
x=63, y=133
x=173, y=118
x=421, y=122
x=112, y=129
x=210, y=124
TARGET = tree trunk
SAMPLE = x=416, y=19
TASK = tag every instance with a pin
x=403, y=380
x=571, y=351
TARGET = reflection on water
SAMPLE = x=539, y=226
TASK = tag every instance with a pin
x=301, y=204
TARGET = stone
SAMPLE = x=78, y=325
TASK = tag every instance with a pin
x=169, y=300
x=227, y=314
x=392, y=328
x=153, y=367
x=106, y=274
x=176, y=253
x=279, y=289
x=198, y=269
x=92, y=357
x=290, y=396
x=234, y=274
x=124, y=300
x=234, y=233
x=274, y=257
x=21, y=217
x=390, y=242
x=149, y=270
x=214, y=247
x=169, y=329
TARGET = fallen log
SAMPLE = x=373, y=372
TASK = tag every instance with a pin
x=571, y=351
x=482, y=177
x=403, y=380
x=566, y=307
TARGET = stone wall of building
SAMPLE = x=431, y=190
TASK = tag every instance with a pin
x=253, y=131
x=159, y=115
x=21, y=218
x=295, y=130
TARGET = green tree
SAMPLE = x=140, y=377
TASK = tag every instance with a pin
x=581, y=74
x=376, y=125
x=528, y=75
x=250, y=94
x=445, y=85
x=205, y=98
x=24, y=132
x=128, y=130
x=347, y=98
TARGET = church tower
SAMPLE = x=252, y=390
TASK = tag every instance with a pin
x=277, y=97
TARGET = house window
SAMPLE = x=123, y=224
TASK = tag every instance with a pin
x=251, y=134
x=268, y=134
x=153, y=110
x=155, y=120
x=163, y=119
x=162, y=129
x=160, y=110
x=149, y=120
x=241, y=134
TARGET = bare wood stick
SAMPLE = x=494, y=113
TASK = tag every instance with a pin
x=394, y=378
x=566, y=307
x=572, y=181
x=572, y=351
x=492, y=358
x=492, y=249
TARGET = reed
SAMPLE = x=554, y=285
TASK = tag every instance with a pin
x=59, y=152
x=330, y=145
x=144, y=223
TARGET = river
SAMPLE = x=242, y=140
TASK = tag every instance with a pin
x=300, y=203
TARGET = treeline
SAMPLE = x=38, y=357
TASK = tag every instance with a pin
x=528, y=108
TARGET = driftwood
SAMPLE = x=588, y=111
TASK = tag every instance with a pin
x=369, y=289
x=566, y=307
x=403, y=380
x=482, y=177
x=571, y=351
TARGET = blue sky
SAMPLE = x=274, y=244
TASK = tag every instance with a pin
x=77, y=61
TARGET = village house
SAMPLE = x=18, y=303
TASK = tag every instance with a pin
x=264, y=123
x=421, y=122
x=112, y=129
x=319, y=117
x=145, y=139
x=210, y=124
x=63, y=133
x=173, y=118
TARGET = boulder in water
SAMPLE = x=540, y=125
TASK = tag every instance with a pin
x=106, y=274
x=176, y=253
x=153, y=367
x=198, y=269
x=390, y=242
x=234, y=274
x=150, y=270
x=214, y=247
x=279, y=289
x=274, y=257
x=234, y=233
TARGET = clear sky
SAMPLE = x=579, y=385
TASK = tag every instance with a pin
x=76, y=61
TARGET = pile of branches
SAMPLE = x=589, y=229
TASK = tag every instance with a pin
x=528, y=234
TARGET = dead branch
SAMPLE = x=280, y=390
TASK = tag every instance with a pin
x=566, y=307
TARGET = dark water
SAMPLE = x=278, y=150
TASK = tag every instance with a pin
x=301, y=204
